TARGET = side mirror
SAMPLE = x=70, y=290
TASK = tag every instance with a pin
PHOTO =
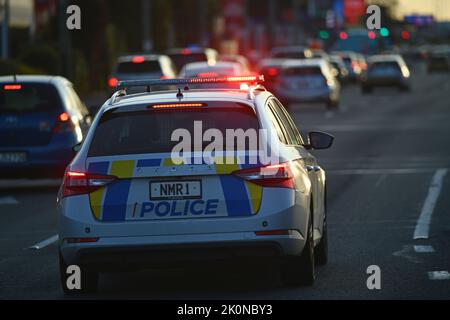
x=319, y=140
x=76, y=147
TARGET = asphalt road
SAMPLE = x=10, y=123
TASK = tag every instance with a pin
x=386, y=169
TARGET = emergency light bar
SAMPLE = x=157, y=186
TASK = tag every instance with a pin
x=158, y=82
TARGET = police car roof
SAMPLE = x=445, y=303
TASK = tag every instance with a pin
x=188, y=96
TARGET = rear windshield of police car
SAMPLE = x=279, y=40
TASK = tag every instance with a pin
x=142, y=67
x=150, y=131
x=29, y=97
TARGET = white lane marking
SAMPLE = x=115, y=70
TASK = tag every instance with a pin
x=439, y=275
x=380, y=171
x=8, y=200
x=44, y=243
x=423, y=249
x=423, y=223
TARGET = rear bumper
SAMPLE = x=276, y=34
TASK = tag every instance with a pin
x=41, y=160
x=387, y=81
x=151, y=252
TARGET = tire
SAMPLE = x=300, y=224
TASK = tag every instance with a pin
x=300, y=271
x=89, y=279
x=321, y=250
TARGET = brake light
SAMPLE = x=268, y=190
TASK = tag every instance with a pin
x=343, y=35
x=207, y=75
x=83, y=183
x=276, y=175
x=112, y=82
x=185, y=51
x=63, y=123
x=63, y=117
x=12, y=86
x=138, y=59
x=177, y=105
x=273, y=72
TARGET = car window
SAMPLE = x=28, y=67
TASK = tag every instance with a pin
x=142, y=67
x=150, y=131
x=276, y=124
x=29, y=97
x=76, y=100
x=284, y=123
x=290, y=124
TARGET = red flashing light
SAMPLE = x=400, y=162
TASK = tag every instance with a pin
x=405, y=35
x=12, y=86
x=276, y=176
x=138, y=59
x=112, y=82
x=343, y=35
x=186, y=51
x=372, y=35
x=82, y=183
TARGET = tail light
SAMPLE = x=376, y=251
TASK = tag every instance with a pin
x=63, y=123
x=112, y=82
x=83, y=183
x=276, y=175
x=273, y=72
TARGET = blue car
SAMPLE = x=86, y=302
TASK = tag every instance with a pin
x=41, y=120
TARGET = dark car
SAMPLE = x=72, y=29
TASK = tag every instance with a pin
x=386, y=71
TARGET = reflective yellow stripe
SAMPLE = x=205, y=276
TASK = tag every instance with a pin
x=175, y=162
x=122, y=168
x=255, y=192
x=96, y=199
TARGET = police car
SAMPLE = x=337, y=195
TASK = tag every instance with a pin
x=127, y=203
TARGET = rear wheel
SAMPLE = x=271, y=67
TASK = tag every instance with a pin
x=321, y=250
x=89, y=279
x=301, y=270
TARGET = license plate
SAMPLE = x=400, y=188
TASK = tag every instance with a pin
x=13, y=157
x=160, y=190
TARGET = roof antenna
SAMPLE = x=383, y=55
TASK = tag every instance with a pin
x=148, y=89
x=179, y=94
x=15, y=77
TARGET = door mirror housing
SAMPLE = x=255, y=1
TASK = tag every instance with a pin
x=319, y=140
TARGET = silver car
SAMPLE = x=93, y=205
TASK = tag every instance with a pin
x=309, y=80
